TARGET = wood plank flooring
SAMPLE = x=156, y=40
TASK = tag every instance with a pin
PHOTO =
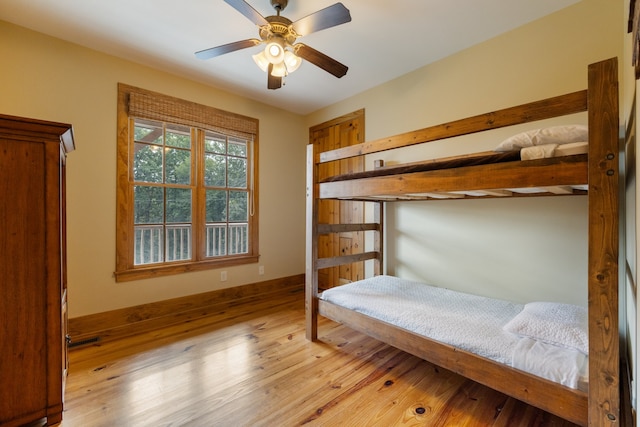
x=250, y=365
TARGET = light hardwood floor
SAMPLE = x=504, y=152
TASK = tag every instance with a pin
x=250, y=365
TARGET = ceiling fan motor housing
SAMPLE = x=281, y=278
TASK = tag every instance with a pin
x=279, y=26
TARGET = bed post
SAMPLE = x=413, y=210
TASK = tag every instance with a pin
x=311, y=254
x=604, y=357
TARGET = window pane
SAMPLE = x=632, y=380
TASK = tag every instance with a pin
x=178, y=205
x=178, y=242
x=216, y=240
x=148, y=245
x=148, y=131
x=216, y=210
x=238, y=239
x=237, y=147
x=237, y=173
x=215, y=143
x=147, y=163
x=178, y=170
x=238, y=205
x=148, y=204
x=178, y=136
x=215, y=170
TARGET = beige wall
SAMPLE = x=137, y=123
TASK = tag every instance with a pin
x=504, y=248
x=49, y=79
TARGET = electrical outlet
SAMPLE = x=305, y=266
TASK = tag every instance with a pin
x=223, y=276
x=261, y=270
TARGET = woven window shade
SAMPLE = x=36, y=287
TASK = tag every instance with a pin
x=155, y=106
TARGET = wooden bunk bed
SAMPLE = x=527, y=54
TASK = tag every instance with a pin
x=599, y=405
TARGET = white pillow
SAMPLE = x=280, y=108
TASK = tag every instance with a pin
x=560, y=324
x=551, y=135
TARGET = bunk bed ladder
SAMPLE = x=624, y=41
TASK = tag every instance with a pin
x=314, y=229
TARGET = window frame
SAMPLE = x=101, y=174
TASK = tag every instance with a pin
x=139, y=103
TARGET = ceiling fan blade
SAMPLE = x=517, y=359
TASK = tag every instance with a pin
x=247, y=10
x=273, y=82
x=322, y=19
x=321, y=60
x=226, y=48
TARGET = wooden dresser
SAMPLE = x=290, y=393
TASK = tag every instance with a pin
x=33, y=291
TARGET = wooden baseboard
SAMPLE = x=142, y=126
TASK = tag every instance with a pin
x=129, y=321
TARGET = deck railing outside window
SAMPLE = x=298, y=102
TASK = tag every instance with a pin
x=150, y=243
x=217, y=244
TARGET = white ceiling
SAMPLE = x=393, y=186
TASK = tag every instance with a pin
x=384, y=40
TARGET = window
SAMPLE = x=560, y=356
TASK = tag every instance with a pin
x=187, y=191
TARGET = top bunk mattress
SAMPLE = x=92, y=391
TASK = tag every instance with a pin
x=470, y=322
x=578, y=152
x=434, y=164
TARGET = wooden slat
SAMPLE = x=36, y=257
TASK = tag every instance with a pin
x=346, y=259
x=498, y=193
x=344, y=228
x=561, y=189
x=565, y=402
x=552, y=107
x=441, y=195
x=604, y=357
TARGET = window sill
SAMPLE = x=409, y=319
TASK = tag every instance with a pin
x=149, y=272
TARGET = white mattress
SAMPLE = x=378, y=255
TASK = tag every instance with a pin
x=469, y=322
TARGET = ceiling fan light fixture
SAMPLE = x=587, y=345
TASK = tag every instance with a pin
x=279, y=70
x=261, y=60
x=274, y=52
x=292, y=61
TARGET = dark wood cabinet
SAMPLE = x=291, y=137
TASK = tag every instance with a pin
x=33, y=291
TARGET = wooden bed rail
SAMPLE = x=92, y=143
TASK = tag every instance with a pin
x=562, y=105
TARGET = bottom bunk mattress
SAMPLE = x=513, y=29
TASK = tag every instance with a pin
x=546, y=339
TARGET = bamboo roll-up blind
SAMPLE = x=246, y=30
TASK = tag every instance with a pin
x=155, y=106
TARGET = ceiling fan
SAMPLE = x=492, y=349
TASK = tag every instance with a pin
x=282, y=55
